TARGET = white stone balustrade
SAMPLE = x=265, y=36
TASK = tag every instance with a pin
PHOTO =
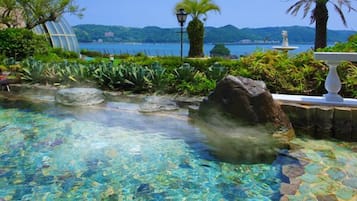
x=333, y=82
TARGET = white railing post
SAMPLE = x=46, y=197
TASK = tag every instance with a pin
x=333, y=82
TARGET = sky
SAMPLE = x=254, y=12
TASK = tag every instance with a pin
x=240, y=13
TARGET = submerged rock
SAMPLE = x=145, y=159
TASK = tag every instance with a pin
x=79, y=96
x=242, y=121
x=157, y=104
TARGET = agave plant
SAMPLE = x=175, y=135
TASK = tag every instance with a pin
x=216, y=72
x=186, y=72
x=157, y=75
x=73, y=72
x=109, y=75
x=9, y=61
x=33, y=70
x=136, y=76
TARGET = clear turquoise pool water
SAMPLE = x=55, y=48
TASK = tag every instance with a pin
x=113, y=152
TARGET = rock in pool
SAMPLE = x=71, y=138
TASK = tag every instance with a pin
x=79, y=96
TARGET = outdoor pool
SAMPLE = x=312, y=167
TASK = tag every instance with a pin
x=113, y=152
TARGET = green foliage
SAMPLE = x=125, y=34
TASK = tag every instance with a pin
x=71, y=72
x=282, y=73
x=33, y=71
x=90, y=53
x=64, y=54
x=158, y=76
x=199, y=85
x=36, y=12
x=195, y=31
x=57, y=55
x=197, y=8
x=186, y=72
x=347, y=72
x=137, y=76
x=2, y=58
x=216, y=72
x=349, y=46
x=64, y=72
x=3, y=68
x=319, y=15
x=109, y=75
x=300, y=74
x=219, y=50
x=22, y=43
x=126, y=76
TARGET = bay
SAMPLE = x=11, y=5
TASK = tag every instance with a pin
x=173, y=49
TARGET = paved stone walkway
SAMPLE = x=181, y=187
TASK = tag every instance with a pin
x=327, y=171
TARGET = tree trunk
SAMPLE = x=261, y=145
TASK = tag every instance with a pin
x=195, y=31
x=321, y=17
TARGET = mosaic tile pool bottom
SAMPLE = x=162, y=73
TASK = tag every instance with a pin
x=52, y=153
x=327, y=171
x=43, y=157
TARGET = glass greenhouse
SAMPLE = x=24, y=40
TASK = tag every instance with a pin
x=61, y=34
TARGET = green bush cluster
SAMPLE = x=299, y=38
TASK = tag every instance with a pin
x=22, y=43
x=297, y=74
x=282, y=73
x=219, y=50
x=35, y=71
x=349, y=46
x=125, y=76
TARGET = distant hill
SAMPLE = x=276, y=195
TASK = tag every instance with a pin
x=225, y=34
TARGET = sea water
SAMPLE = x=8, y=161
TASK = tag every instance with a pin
x=173, y=49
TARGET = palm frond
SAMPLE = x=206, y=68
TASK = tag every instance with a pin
x=338, y=8
x=339, y=11
x=294, y=9
x=197, y=8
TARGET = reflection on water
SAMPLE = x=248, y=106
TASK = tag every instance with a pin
x=113, y=152
x=52, y=152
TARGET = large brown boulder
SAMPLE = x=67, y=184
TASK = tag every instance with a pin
x=242, y=121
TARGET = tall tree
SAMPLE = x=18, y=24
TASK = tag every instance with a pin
x=195, y=29
x=31, y=13
x=319, y=15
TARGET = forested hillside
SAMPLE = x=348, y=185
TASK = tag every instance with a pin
x=226, y=34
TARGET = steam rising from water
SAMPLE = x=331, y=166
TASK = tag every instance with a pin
x=238, y=142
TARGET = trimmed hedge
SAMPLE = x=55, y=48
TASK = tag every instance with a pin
x=22, y=43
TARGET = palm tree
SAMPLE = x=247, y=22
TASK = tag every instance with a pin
x=319, y=15
x=195, y=29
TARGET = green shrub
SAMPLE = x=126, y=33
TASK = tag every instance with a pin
x=219, y=50
x=33, y=71
x=347, y=72
x=216, y=72
x=136, y=76
x=64, y=54
x=186, y=72
x=299, y=74
x=91, y=53
x=198, y=86
x=108, y=75
x=22, y=43
x=282, y=73
x=349, y=46
x=158, y=76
